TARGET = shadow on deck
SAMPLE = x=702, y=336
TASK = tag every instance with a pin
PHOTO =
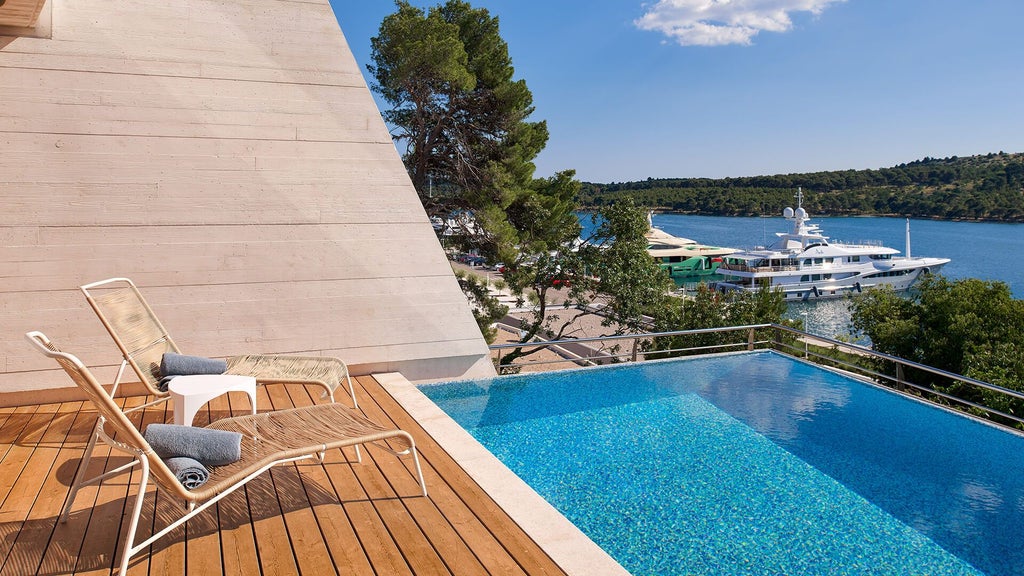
x=339, y=517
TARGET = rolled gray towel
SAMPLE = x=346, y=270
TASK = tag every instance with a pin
x=164, y=383
x=172, y=364
x=210, y=447
x=191, y=473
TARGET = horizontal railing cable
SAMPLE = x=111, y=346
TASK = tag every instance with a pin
x=779, y=344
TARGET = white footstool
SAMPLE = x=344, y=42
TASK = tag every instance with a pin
x=190, y=393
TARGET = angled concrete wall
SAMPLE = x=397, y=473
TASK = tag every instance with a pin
x=227, y=156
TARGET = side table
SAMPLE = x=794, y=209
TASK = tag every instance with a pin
x=190, y=393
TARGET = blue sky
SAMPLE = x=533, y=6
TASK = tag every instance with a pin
x=633, y=89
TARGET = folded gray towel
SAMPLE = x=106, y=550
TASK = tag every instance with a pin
x=190, y=473
x=172, y=364
x=210, y=447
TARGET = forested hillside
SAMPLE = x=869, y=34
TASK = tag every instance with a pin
x=988, y=187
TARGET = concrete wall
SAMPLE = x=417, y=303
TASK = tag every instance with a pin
x=227, y=156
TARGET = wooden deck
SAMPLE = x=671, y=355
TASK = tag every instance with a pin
x=339, y=517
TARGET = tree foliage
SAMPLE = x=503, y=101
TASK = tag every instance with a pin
x=970, y=327
x=634, y=288
x=989, y=187
x=456, y=108
x=611, y=268
x=469, y=149
x=486, y=308
x=707, y=308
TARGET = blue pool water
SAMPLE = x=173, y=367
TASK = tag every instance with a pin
x=755, y=464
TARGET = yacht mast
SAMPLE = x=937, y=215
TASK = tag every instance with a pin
x=908, y=238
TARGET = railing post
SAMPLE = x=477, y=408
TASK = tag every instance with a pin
x=899, y=376
x=750, y=339
x=633, y=355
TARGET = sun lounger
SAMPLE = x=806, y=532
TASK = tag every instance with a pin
x=269, y=439
x=143, y=340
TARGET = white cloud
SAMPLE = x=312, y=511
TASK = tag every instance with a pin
x=722, y=22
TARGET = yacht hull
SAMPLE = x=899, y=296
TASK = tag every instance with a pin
x=794, y=289
x=804, y=264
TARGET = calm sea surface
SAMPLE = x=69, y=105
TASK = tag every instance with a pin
x=984, y=250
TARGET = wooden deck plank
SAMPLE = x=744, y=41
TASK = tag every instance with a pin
x=202, y=544
x=449, y=545
x=275, y=551
x=496, y=521
x=63, y=551
x=339, y=470
x=237, y=538
x=414, y=544
x=166, y=556
x=355, y=484
x=338, y=517
x=300, y=522
x=25, y=431
x=347, y=556
x=9, y=429
x=312, y=554
x=156, y=510
x=26, y=551
x=102, y=507
x=384, y=554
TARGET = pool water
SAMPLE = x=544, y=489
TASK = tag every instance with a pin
x=755, y=464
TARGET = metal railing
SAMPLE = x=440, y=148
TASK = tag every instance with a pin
x=636, y=343
x=844, y=356
x=745, y=268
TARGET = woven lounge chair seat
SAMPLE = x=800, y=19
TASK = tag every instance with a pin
x=268, y=440
x=269, y=436
x=291, y=369
x=143, y=340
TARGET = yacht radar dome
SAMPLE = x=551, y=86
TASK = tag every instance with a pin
x=787, y=213
x=801, y=213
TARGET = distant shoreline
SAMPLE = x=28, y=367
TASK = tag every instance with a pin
x=663, y=210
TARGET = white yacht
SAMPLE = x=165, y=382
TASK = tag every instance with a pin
x=806, y=265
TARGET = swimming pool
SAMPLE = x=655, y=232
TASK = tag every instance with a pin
x=755, y=464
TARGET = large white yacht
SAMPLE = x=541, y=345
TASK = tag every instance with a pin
x=806, y=265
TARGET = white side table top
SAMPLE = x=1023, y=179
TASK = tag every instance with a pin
x=203, y=384
x=190, y=393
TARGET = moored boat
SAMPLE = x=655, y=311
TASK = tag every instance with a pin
x=805, y=264
x=684, y=260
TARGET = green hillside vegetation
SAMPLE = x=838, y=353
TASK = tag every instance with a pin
x=985, y=187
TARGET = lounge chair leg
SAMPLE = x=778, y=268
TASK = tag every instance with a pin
x=351, y=392
x=80, y=474
x=419, y=470
x=329, y=394
x=129, y=540
x=359, y=455
x=117, y=379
